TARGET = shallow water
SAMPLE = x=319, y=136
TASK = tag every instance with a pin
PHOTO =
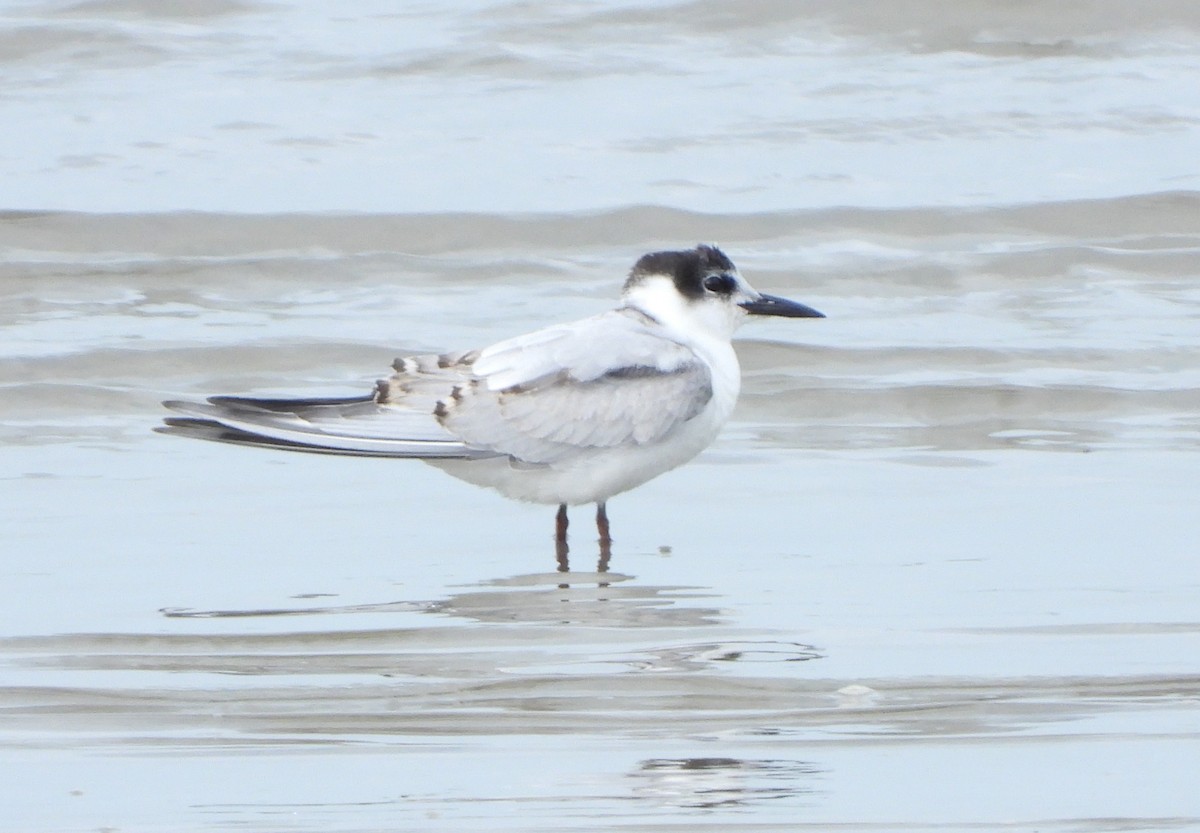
x=940, y=573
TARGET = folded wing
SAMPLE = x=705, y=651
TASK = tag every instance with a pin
x=601, y=383
x=605, y=382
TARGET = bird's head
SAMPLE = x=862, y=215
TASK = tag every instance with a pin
x=700, y=288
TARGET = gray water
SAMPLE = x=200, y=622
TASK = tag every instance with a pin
x=939, y=573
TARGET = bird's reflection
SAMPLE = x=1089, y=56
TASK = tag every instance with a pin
x=707, y=783
x=601, y=598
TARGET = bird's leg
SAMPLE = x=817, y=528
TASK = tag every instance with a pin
x=560, y=539
x=605, y=538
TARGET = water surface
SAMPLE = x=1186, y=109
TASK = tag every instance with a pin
x=938, y=574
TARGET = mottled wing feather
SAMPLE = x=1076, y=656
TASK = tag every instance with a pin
x=602, y=383
x=420, y=382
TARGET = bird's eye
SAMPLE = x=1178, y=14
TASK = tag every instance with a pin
x=720, y=284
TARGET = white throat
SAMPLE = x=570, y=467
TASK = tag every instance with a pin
x=706, y=326
x=691, y=322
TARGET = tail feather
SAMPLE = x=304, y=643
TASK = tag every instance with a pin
x=288, y=405
x=352, y=426
x=207, y=429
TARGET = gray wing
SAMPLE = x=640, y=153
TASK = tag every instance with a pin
x=603, y=382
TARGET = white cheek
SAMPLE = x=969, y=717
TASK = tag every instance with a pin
x=659, y=297
x=720, y=319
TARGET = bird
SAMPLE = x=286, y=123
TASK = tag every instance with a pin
x=571, y=414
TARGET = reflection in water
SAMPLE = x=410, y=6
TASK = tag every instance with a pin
x=543, y=618
x=254, y=613
x=709, y=783
x=558, y=655
x=523, y=655
x=603, y=599
x=694, y=657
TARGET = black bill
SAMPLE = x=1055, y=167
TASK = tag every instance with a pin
x=774, y=305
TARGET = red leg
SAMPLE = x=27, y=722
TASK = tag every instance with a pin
x=560, y=539
x=605, y=538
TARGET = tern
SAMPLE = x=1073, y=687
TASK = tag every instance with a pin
x=571, y=414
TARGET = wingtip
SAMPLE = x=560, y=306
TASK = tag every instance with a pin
x=183, y=406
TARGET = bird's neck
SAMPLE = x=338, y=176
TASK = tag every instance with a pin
x=687, y=322
x=706, y=329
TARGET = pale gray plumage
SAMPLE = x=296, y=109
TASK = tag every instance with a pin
x=573, y=413
x=635, y=391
